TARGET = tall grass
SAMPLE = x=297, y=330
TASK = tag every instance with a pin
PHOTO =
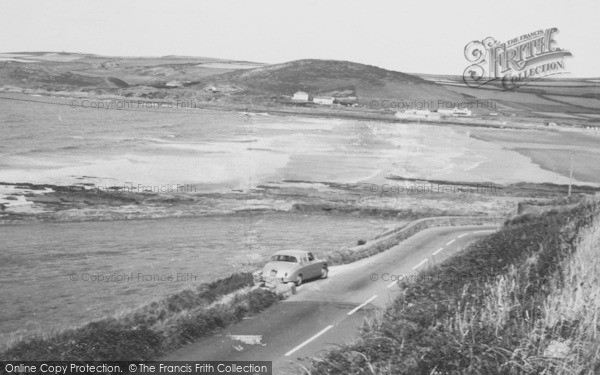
x=153, y=329
x=523, y=301
x=571, y=313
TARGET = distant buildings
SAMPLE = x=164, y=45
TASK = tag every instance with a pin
x=301, y=96
x=461, y=112
x=426, y=114
x=324, y=100
x=174, y=84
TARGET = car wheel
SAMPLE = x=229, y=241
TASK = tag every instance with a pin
x=324, y=272
x=299, y=280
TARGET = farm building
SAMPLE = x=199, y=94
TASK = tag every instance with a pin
x=324, y=100
x=463, y=112
x=174, y=84
x=301, y=96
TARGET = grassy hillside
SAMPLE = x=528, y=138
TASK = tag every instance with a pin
x=106, y=74
x=224, y=82
x=522, y=301
x=207, y=79
x=336, y=78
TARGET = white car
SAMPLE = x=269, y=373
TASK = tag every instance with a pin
x=293, y=266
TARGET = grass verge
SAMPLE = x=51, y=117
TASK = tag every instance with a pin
x=151, y=330
x=397, y=235
x=524, y=300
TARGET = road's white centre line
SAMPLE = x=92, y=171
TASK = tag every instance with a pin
x=309, y=340
x=361, y=305
x=420, y=264
x=371, y=299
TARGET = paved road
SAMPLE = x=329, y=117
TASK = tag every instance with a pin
x=329, y=312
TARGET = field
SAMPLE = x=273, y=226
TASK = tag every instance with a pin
x=126, y=76
x=552, y=97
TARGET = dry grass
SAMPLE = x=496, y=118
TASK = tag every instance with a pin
x=557, y=326
x=571, y=318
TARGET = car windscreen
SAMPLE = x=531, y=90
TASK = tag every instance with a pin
x=284, y=258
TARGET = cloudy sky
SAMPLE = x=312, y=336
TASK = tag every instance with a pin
x=409, y=36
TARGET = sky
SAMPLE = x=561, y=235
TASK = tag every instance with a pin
x=408, y=36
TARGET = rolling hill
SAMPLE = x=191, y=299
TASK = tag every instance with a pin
x=210, y=79
x=49, y=71
x=214, y=80
x=334, y=78
x=570, y=98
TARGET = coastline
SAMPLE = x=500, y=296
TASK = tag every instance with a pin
x=234, y=297
x=298, y=194
x=313, y=111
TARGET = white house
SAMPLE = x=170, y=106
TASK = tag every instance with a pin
x=301, y=96
x=324, y=100
x=464, y=112
x=174, y=84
